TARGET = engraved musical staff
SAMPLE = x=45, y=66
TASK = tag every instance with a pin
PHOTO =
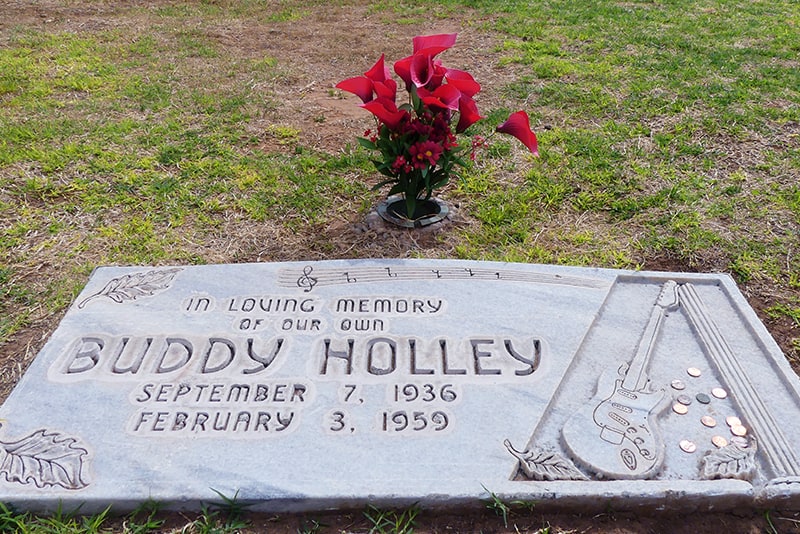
x=306, y=281
x=362, y=275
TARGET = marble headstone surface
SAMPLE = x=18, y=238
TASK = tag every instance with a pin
x=311, y=386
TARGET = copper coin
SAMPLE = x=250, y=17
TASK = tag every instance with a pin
x=708, y=421
x=694, y=371
x=733, y=421
x=740, y=442
x=687, y=446
x=719, y=441
x=703, y=398
x=684, y=399
x=678, y=384
x=739, y=430
x=719, y=393
x=680, y=409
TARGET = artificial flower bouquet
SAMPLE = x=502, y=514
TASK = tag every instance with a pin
x=416, y=141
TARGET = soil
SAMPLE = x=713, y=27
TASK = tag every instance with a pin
x=318, y=57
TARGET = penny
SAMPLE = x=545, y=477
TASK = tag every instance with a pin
x=732, y=420
x=680, y=409
x=694, y=371
x=708, y=421
x=678, y=384
x=687, y=446
x=719, y=393
x=703, y=398
x=719, y=441
x=740, y=442
x=739, y=430
x=684, y=399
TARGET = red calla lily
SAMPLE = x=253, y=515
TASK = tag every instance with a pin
x=403, y=69
x=376, y=81
x=379, y=71
x=359, y=86
x=468, y=113
x=387, y=89
x=463, y=81
x=519, y=126
x=421, y=69
x=386, y=111
x=443, y=97
x=434, y=44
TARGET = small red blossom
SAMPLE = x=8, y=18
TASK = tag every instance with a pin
x=425, y=153
x=478, y=142
x=399, y=163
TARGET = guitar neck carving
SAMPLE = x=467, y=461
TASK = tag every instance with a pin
x=615, y=434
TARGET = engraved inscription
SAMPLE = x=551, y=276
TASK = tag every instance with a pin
x=230, y=409
x=378, y=356
x=131, y=357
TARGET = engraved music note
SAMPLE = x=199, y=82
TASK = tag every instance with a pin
x=306, y=281
x=471, y=274
x=350, y=279
x=437, y=273
x=390, y=273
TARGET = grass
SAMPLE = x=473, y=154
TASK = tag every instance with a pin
x=187, y=133
x=391, y=521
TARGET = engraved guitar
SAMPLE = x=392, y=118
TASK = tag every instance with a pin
x=623, y=410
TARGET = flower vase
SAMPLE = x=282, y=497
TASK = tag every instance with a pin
x=427, y=212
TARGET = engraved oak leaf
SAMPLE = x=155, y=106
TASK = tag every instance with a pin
x=537, y=464
x=133, y=286
x=731, y=461
x=45, y=459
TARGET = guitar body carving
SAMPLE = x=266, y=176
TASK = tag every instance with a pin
x=629, y=444
x=615, y=434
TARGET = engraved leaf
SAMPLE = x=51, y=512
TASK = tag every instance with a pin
x=133, y=286
x=45, y=459
x=731, y=461
x=538, y=464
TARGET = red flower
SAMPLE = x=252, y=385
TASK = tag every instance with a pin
x=434, y=44
x=386, y=111
x=399, y=164
x=377, y=81
x=359, y=86
x=443, y=97
x=379, y=71
x=468, y=113
x=425, y=153
x=420, y=69
x=463, y=81
x=518, y=125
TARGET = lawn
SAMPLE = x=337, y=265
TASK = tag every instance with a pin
x=210, y=131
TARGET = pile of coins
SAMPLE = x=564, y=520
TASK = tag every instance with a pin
x=681, y=407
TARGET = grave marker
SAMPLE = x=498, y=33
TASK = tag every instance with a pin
x=308, y=386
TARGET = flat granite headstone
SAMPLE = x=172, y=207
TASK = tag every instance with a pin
x=334, y=384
